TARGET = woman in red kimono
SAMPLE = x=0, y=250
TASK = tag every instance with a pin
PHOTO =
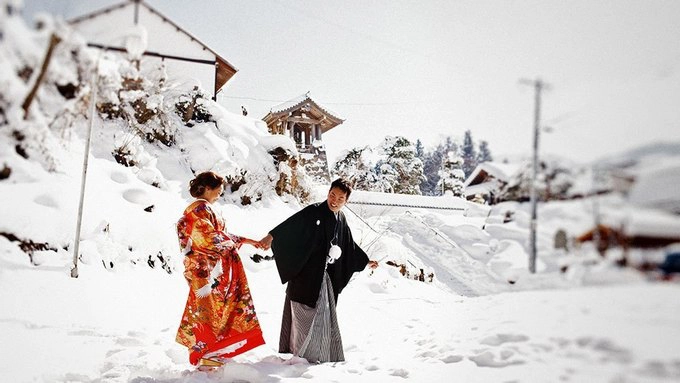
x=219, y=319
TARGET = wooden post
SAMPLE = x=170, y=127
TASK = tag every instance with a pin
x=290, y=129
x=86, y=156
x=54, y=40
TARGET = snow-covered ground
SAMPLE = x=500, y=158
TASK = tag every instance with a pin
x=117, y=323
x=119, y=326
x=477, y=316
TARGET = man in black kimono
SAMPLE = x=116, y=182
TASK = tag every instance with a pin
x=316, y=255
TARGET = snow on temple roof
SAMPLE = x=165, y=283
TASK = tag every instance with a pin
x=297, y=101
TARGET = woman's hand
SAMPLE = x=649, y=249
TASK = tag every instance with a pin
x=248, y=241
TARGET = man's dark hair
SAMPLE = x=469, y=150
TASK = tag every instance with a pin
x=343, y=185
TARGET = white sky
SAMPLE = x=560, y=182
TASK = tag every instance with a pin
x=430, y=68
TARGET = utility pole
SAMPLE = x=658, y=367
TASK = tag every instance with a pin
x=597, y=238
x=539, y=86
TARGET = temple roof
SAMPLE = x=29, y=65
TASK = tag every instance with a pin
x=326, y=118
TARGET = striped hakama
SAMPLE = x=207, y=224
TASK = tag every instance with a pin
x=312, y=333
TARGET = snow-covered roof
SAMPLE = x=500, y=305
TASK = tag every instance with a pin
x=658, y=188
x=652, y=223
x=107, y=28
x=483, y=188
x=496, y=170
x=292, y=104
x=326, y=119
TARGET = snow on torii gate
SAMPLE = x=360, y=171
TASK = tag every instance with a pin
x=166, y=41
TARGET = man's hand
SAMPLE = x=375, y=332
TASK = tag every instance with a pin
x=373, y=264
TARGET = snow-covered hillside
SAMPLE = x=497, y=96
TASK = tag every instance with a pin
x=140, y=121
x=451, y=299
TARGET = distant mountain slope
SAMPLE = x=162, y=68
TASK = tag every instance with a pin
x=640, y=154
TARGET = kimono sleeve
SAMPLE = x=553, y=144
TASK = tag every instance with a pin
x=237, y=239
x=353, y=259
x=290, y=243
x=205, y=234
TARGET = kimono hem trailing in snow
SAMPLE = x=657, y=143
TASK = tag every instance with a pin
x=301, y=246
x=219, y=319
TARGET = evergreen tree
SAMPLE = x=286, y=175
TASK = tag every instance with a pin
x=432, y=164
x=356, y=168
x=386, y=177
x=451, y=175
x=422, y=155
x=469, y=154
x=399, y=167
x=420, y=150
x=484, y=154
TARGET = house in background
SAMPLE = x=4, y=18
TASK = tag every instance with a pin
x=305, y=122
x=639, y=228
x=658, y=188
x=181, y=52
x=487, y=179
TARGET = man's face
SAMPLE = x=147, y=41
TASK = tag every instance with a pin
x=336, y=199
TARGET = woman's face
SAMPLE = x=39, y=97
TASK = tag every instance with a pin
x=211, y=195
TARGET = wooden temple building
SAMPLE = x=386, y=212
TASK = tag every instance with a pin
x=305, y=122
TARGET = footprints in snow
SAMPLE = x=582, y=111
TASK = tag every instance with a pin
x=499, y=339
x=452, y=359
x=508, y=349
x=496, y=359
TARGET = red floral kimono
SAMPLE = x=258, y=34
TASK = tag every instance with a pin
x=219, y=319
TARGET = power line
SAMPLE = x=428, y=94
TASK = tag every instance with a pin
x=334, y=103
x=298, y=11
x=252, y=99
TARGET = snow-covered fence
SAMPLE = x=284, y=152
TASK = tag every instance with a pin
x=376, y=203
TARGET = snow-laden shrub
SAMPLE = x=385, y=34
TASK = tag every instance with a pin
x=192, y=109
x=390, y=168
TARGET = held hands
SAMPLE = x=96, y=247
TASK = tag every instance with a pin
x=248, y=241
x=265, y=243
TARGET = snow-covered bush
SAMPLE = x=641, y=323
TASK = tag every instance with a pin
x=355, y=165
x=391, y=168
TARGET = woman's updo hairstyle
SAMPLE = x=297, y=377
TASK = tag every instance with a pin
x=205, y=180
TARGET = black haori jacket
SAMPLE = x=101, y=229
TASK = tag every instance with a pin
x=300, y=248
